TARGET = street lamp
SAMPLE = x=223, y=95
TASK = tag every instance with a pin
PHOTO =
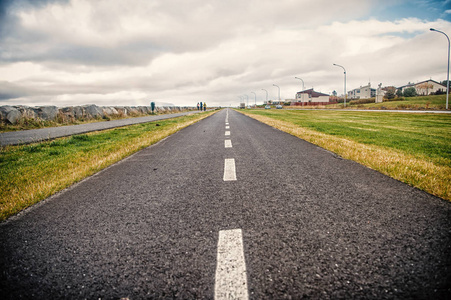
x=247, y=97
x=345, y=79
x=447, y=78
x=279, y=91
x=255, y=98
x=302, y=82
x=266, y=95
x=303, y=88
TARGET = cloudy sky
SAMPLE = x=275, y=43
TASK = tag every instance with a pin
x=131, y=52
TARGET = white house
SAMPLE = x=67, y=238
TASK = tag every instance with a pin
x=425, y=87
x=311, y=96
x=364, y=92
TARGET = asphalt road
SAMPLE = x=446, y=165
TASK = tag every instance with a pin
x=37, y=135
x=310, y=224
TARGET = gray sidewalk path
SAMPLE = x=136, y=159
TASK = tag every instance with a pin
x=37, y=135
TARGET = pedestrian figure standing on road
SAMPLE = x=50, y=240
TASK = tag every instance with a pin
x=197, y=105
x=205, y=106
x=201, y=106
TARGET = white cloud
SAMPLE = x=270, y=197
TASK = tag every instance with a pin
x=116, y=52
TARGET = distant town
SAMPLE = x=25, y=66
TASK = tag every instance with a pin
x=312, y=97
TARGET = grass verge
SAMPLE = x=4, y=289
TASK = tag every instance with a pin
x=419, y=102
x=31, y=173
x=412, y=148
x=431, y=102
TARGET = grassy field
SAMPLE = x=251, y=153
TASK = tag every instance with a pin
x=31, y=173
x=413, y=148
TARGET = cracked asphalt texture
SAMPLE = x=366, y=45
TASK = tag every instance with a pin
x=314, y=225
x=42, y=134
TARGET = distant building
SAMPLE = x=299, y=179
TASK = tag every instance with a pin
x=364, y=92
x=311, y=96
x=424, y=88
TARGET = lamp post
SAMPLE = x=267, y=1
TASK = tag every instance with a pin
x=247, y=98
x=279, y=92
x=345, y=79
x=302, y=88
x=447, y=77
x=255, y=98
x=302, y=82
x=266, y=95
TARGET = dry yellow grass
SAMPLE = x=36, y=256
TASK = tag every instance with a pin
x=415, y=171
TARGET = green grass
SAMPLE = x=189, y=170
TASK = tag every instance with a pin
x=427, y=135
x=31, y=173
x=411, y=147
x=420, y=102
x=432, y=102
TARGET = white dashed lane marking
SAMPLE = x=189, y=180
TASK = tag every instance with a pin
x=229, y=169
x=228, y=143
x=227, y=127
x=231, y=277
x=227, y=133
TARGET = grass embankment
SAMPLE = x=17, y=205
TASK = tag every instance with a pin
x=432, y=102
x=31, y=173
x=420, y=102
x=412, y=148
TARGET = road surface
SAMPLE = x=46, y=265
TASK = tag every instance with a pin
x=230, y=207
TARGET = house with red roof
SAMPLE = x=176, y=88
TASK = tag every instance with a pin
x=311, y=96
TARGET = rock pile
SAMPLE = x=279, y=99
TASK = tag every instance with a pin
x=14, y=114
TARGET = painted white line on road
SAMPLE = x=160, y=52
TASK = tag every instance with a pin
x=227, y=133
x=231, y=278
x=227, y=123
x=228, y=143
x=229, y=169
x=227, y=127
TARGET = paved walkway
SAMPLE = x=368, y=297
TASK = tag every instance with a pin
x=37, y=135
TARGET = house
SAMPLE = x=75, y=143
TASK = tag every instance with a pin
x=425, y=87
x=364, y=92
x=311, y=96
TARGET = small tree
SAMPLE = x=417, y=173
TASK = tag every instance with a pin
x=410, y=92
x=390, y=92
x=399, y=93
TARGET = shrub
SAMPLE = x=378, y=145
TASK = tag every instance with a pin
x=410, y=92
x=439, y=92
x=362, y=101
x=390, y=93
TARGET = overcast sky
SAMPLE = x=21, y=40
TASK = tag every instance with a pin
x=132, y=52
